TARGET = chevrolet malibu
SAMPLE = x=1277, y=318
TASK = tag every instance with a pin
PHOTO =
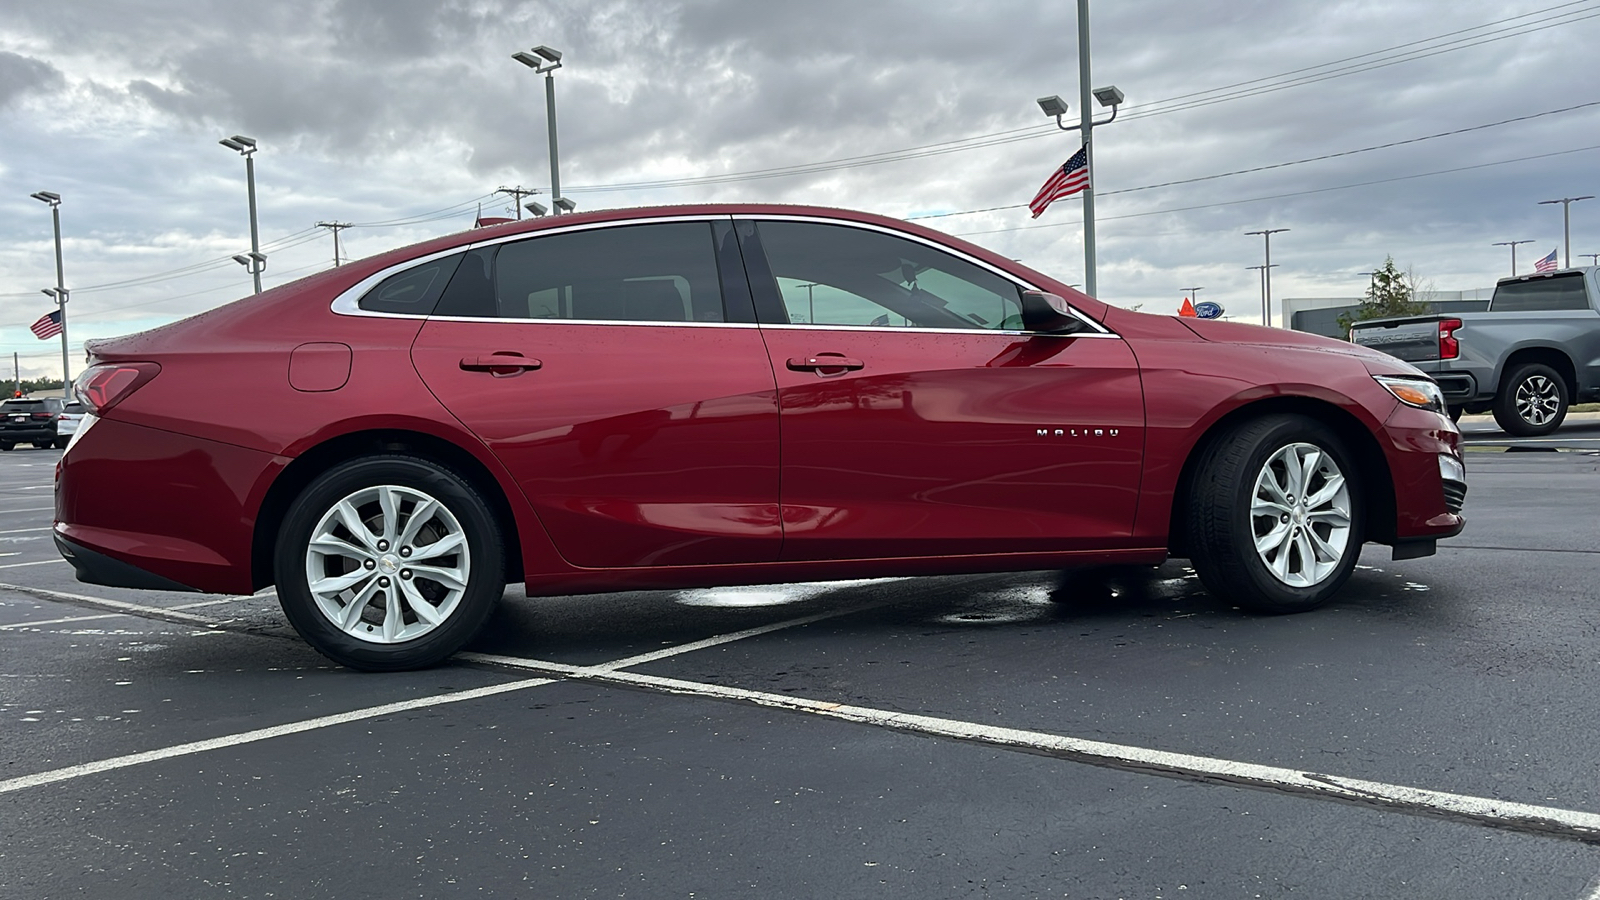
x=711, y=395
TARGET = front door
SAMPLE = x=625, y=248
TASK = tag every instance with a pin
x=920, y=420
x=602, y=369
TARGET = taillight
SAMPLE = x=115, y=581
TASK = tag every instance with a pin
x=1449, y=347
x=44, y=415
x=104, y=386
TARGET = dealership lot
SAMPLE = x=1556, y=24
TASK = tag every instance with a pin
x=835, y=740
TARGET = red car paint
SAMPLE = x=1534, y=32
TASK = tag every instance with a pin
x=633, y=455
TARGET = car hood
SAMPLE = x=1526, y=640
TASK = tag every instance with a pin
x=1240, y=333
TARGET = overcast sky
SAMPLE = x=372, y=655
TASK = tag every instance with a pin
x=383, y=111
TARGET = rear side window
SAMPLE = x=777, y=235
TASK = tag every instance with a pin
x=1563, y=291
x=414, y=291
x=665, y=272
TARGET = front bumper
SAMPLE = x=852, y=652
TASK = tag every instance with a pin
x=1427, y=505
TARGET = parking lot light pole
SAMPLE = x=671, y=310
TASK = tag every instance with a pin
x=60, y=292
x=1566, y=221
x=1053, y=106
x=1266, y=274
x=545, y=61
x=1513, y=246
x=246, y=147
x=1193, y=292
x=1594, y=258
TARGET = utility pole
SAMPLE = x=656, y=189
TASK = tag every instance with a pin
x=1266, y=274
x=16, y=374
x=334, y=227
x=1566, y=220
x=1513, y=246
x=517, y=193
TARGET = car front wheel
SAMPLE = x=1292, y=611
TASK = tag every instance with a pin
x=389, y=563
x=1275, y=515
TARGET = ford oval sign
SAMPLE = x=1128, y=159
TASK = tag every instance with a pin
x=1205, y=309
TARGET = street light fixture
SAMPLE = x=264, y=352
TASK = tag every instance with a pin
x=1266, y=274
x=1193, y=292
x=1566, y=220
x=1513, y=246
x=565, y=205
x=254, y=262
x=1594, y=258
x=545, y=61
x=538, y=209
x=53, y=200
x=246, y=147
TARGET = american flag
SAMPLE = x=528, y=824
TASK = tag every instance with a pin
x=48, y=326
x=1072, y=177
x=1548, y=264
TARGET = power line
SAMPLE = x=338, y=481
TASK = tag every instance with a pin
x=1338, y=187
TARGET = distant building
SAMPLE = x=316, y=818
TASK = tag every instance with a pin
x=1320, y=315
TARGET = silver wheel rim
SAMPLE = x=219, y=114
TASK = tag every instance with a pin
x=1300, y=515
x=387, y=564
x=1538, y=400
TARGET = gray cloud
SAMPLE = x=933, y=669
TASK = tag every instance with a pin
x=22, y=75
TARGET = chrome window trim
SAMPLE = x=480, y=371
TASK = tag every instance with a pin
x=347, y=303
x=913, y=329
x=1099, y=330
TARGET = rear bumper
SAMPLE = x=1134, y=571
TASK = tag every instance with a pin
x=98, y=568
x=143, y=507
x=27, y=435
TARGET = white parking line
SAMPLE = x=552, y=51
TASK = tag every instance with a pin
x=37, y=562
x=1550, y=821
x=260, y=734
x=21, y=530
x=160, y=612
x=68, y=619
x=30, y=509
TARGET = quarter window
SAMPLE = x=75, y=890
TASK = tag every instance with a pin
x=664, y=272
x=837, y=275
x=414, y=291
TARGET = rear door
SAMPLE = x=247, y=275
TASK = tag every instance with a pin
x=919, y=419
x=635, y=408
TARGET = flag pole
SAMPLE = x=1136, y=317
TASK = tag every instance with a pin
x=1087, y=125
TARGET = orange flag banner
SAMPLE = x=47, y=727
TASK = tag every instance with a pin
x=1187, y=309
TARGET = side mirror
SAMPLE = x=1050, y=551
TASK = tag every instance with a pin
x=1048, y=313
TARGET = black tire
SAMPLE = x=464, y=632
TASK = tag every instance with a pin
x=485, y=572
x=7, y=445
x=1455, y=413
x=1532, y=401
x=1222, y=530
x=61, y=443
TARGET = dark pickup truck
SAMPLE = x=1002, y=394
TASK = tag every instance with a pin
x=1532, y=354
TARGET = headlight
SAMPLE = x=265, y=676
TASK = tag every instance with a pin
x=1421, y=393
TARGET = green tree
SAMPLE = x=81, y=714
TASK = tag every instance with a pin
x=1392, y=293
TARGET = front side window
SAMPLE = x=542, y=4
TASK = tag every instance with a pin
x=838, y=275
x=1554, y=292
x=664, y=272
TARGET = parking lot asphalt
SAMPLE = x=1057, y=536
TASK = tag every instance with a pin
x=1429, y=733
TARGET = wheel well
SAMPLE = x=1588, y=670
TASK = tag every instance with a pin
x=306, y=467
x=1549, y=356
x=1374, y=476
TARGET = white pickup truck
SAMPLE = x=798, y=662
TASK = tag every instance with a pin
x=1527, y=359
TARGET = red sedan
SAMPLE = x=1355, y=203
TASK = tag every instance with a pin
x=733, y=394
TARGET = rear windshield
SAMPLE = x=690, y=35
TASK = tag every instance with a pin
x=22, y=406
x=1564, y=291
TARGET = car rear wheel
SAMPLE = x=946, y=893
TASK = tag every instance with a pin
x=1275, y=515
x=7, y=445
x=1532, y=401
x=389, y=563
x=61, y=443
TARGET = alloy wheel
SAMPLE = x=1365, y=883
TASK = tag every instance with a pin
x=387, y=564
x=1537, y=400
x=1300, y=515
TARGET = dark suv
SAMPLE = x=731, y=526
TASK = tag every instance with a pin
x=28, y=421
